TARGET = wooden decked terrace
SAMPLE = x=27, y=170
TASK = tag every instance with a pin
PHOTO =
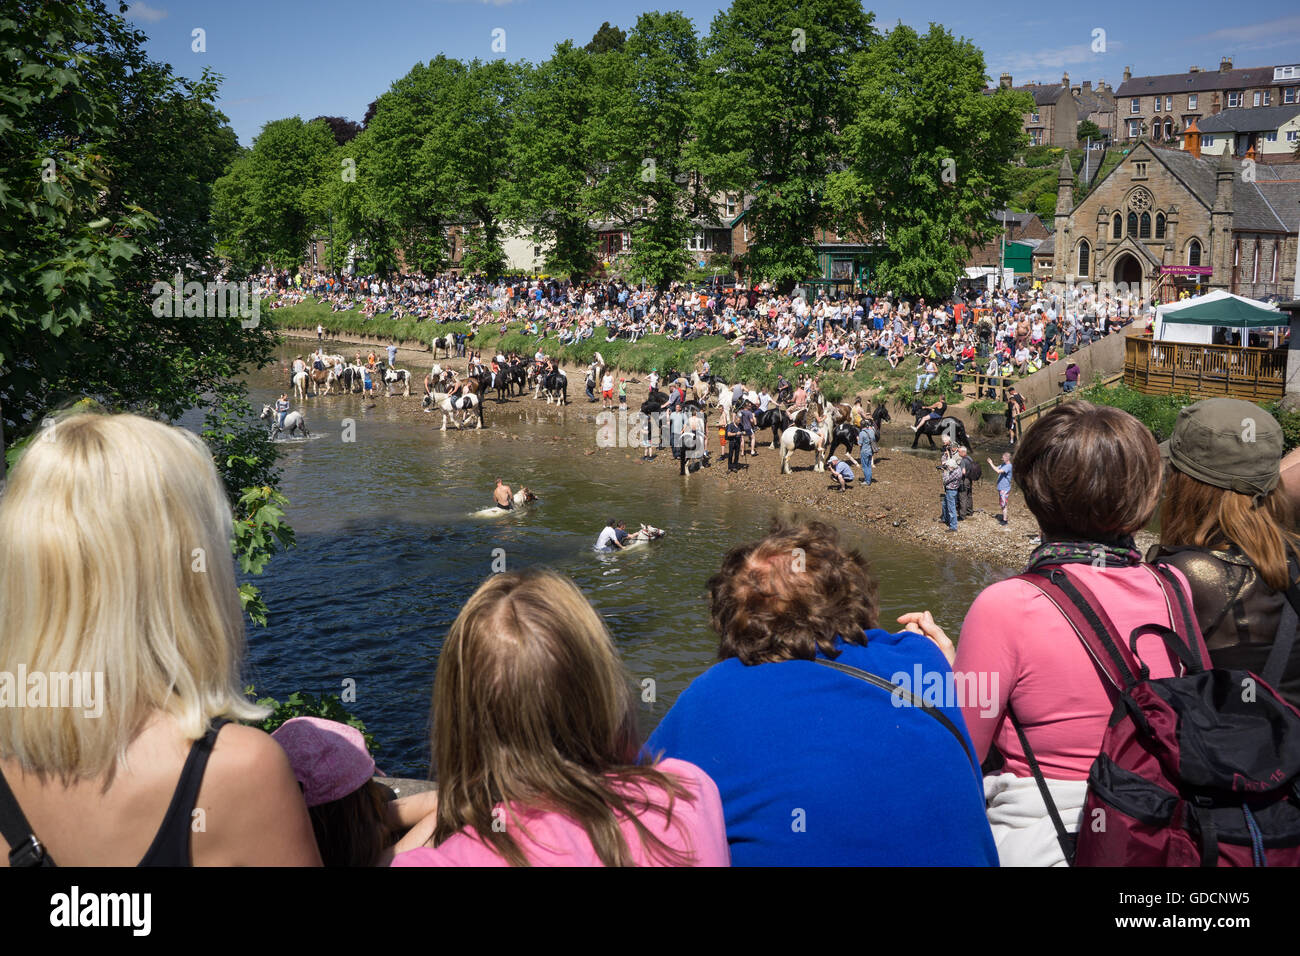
x=1204, y=371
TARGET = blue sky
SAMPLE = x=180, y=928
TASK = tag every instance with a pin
x=332, y=57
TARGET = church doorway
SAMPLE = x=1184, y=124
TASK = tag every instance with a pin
x=1129, y=271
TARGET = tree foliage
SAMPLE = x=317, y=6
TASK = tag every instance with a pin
x=775, y=95
x=124, y=204
x=929, y=152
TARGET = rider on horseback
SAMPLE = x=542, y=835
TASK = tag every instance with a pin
x=282, y=408
x=936, y=413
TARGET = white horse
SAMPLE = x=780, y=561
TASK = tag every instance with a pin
x=700, y=387
x=795, y=438
x=300, y=381
x=643, y=537
x=467, y=404
x=521, y=498
x=294, y=423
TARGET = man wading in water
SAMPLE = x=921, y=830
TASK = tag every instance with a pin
x=503, y=496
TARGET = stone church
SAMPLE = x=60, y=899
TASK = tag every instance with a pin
x=1167, y=220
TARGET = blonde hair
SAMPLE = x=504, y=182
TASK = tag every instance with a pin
x=532, y=710
x=115, y=560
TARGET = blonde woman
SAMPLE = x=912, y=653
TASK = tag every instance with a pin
x=536, y=750
x=117, y=586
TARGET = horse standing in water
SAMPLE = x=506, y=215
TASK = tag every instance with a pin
x=294, y=423
x=929, y=427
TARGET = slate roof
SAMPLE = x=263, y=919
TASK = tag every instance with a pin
x=1253, y=209
x=1203, y=81
x=1249, y=120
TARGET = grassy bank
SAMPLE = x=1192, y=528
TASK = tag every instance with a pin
x=756, y=367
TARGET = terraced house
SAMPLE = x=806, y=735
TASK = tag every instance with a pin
x=1160, y=108
x=1054, y=120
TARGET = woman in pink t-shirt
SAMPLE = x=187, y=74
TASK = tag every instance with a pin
x=1091, y=476
x=536, y=750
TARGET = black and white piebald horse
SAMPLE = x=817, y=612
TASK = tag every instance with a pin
x=446, y=343
x=397, y=376
x=556, y=386
x=294, y=423
x=795, y=439
x=467, y=405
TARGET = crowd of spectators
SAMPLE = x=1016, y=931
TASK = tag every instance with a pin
x=1003, y=335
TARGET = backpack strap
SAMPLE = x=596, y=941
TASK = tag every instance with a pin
x=911, y=699
x=1090, y=623
x=24, y=849
x=1063, y=836
x=1181, y=617
x=1284, y=639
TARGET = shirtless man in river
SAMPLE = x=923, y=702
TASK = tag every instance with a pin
x=503, y=496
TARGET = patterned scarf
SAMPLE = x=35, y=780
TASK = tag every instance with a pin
x=1121, y=553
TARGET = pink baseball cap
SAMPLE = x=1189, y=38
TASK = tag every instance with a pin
x=329, y=759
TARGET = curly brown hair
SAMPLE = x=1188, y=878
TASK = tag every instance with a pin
x=788, y=595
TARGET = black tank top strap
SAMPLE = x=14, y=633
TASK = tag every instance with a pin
x=171, y=846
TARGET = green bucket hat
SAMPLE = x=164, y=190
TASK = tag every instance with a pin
x=1227, y=443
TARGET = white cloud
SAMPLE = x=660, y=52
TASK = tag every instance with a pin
x=139, y=10
x=1044, y=66
x=1257, y=36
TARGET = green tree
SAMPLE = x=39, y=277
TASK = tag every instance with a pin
x=555, y=159
x=608, y=39
x=651, y=182
x=1087, y=130
x=929, y=157
x=404, y=190
x=265, y=209
x=466, y=153
x=85, y=240
x=774, y=88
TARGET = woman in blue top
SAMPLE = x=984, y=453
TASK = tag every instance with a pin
x=817, y=763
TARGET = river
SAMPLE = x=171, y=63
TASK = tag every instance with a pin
x=387, y=551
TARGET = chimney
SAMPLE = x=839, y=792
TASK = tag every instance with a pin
x=1128, y=73
x=1193, y=69
x=1065, y=81
x=1087, y=86
x=1225, y=64
x=1192, y=139
x=1004, y=81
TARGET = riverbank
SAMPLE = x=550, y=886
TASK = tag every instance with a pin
x=903, y=501
x=874, y=377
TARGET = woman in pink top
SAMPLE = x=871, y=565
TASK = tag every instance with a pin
x=1091, y=476
x=536, y=750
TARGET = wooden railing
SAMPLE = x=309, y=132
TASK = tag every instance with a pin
x=1031, y=415
x=1158, y=367
x=975, y=384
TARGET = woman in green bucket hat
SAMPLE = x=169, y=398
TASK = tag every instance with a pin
x=1226, y=523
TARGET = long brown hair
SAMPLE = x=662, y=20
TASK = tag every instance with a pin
x=353, y=830
x=532, y=710
x=1200, y=515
